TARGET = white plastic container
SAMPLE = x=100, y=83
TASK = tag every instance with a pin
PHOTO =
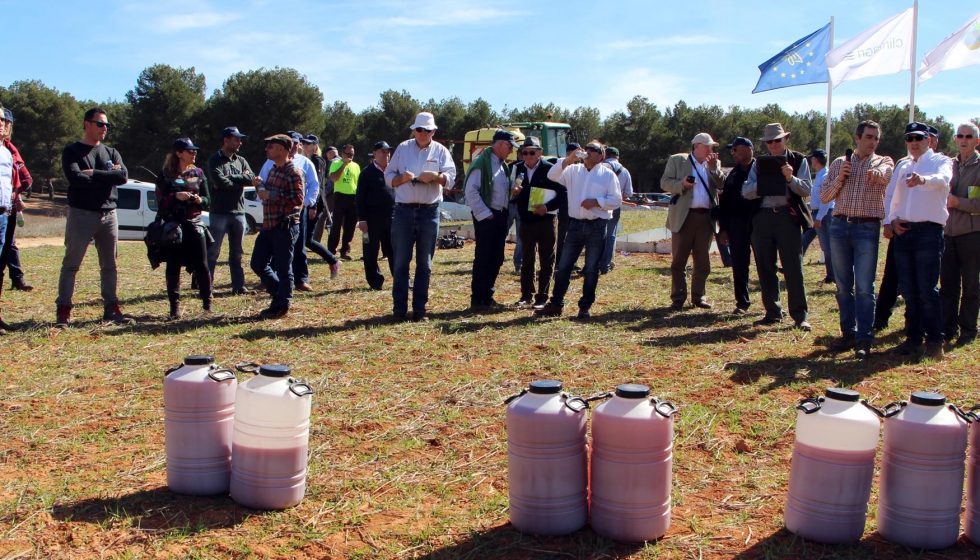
x=832, y=468
x=632, y=458
x=922, y=466
x=971, y=519
x=547, y=460
x=271, y=439
x=199, y=414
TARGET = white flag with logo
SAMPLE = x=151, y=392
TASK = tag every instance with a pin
x=958, y=50
x=882, y=49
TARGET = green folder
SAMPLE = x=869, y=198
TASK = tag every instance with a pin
x=540, y=196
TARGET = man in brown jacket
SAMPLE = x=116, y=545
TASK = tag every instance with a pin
x=960, y=272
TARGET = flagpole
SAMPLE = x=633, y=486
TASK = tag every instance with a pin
x=915, y=19
x=830, y=87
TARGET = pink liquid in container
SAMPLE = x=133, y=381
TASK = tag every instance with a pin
x=199, y=415
x=271, y=439
x=632, y=457
x=922, y=464
x=832, y=468
x=547, y=460
x=971, y=519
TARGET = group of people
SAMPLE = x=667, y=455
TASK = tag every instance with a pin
x=15, y=179
x=927, y=206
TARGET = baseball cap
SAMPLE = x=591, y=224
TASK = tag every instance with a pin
x=740, y=141
x=231, y=131
x=184, y=144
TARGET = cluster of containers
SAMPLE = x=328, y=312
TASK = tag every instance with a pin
x=250, y=439
x=620, y=484
x=920, y=489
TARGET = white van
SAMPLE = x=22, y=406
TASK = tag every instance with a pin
x=137, y=208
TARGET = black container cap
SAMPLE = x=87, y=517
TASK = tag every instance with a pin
x=274, y=370
x=198, y=360
x=839, y=394
x=927, y=398
x=545, y=387
x=633, y=391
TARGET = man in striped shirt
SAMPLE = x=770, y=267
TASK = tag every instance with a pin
x=857, y=188
x=282, y=203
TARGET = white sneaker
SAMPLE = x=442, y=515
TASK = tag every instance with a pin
x=334, y=270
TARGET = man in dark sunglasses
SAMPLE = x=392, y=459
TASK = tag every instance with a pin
x=93, y=171
x=917, y=197
x=959, y=279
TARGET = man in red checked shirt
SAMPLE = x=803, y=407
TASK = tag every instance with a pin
x=282, y=203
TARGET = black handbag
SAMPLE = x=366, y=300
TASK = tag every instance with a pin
x=163, y=234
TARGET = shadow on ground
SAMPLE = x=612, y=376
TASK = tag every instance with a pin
x=506, y=542
x=785, y=545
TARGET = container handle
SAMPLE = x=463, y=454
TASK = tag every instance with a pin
x=879, y=412
x=809, y=406
x=599, y=397
x=303, y=388
x=515, y=396
x=579, y=405
x=173, y=369
x=894, y=408
x=659, y=406
x=964, y=415
x=221, y=374
x=250, y=367
x=973, y=411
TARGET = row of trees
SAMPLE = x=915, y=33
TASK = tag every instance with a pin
x=169, y=102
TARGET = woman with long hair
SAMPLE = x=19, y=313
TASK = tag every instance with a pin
x=182, y=194
x=21, y=182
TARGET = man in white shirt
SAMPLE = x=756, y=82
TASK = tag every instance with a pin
x=626, y=184
x=488, y=194
x=917, y=213
x=418, y=172
x=593, y=194
x=301, y=267
x=6, y=194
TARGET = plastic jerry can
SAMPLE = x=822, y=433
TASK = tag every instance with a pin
x=271, y=438
x=833, y=467
x=199, y=415
x=922, y=466
x=547, y=460
x=632, y=457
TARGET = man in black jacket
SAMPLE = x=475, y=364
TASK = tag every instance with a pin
x=375, y=203
x=93, y=172
x=538, y=221
x=735, y=220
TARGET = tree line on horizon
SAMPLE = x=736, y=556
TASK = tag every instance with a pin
x=168, y=103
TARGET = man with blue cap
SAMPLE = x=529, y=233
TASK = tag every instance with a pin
x=375, y=203
x=229, y=174
x=488, y=193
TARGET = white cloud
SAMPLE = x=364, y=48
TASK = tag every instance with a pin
x=670, y=41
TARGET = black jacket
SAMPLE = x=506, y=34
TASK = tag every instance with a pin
x=540, y=180
x=731, y=203
x=373, y=195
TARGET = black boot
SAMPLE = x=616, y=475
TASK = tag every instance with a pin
x=173, y=294
x=4, y=327
x=204, y=288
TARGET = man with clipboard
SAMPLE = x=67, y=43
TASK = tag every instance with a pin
x=694, y=179
x=778, y=185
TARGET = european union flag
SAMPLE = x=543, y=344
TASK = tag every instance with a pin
x=799, y=64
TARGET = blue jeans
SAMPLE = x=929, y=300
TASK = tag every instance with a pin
x=234, y=226
x=278, y=243
x=610, y=247
x=3, y=231
x=418, y=228
x=918, y=254
x=514, y=217
x=854, y=249
x=590, y=235
x=301, y=267
x=823, y=233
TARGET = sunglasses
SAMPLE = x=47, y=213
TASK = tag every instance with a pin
x=529, y=152
x=914, y=138
x=424, y=130
x=596, y=150
x=776, y=141
x=101, y=124
x=351, y=154
x=967, y=136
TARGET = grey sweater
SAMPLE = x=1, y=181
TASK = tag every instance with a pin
x=965, y=174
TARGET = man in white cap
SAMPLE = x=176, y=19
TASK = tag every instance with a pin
x=418, y=172
x=778, y=222
x=694, y=179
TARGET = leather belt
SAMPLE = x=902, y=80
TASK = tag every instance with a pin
x=417, y=205
x=920, y=225
x=857, y=219
x=698, y=210
x=784, y=208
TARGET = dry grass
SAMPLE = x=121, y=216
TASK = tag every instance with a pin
x=408, y=449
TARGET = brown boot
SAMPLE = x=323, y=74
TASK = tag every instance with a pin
x=114, y=314
x=64, y=317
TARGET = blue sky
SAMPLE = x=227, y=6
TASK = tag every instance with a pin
x=509, y=52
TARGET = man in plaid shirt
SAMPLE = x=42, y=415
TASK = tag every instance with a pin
x=857, y=186
x=282, y=202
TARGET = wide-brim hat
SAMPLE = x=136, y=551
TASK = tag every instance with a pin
x=704, y=138
x=532, y=142
x=774, y=131
x=424, y=120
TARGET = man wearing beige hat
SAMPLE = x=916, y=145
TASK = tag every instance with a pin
x=779, y=219
x=694, y=179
